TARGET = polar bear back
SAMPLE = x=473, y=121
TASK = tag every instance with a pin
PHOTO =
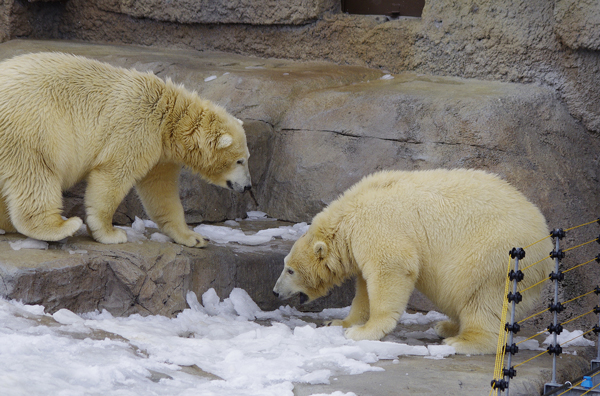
x=73, y=109
x=460, y=223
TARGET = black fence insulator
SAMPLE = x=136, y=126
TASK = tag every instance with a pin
x=500, y=384
x=597, y=290
x=515, y=327
x=510, y=372
x=517, y=253
x=598, y=239
x=557, y=254
x=597, y=258
x=597, y=310
x=516, y=297
x=554, y=350
x=512, y=348
x=558, y=307
x=558, y=276
x=555, y=329
x=518, y=276
x=596, y=329
x=558, y=233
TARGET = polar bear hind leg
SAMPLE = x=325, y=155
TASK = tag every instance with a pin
x=447, y=328
x=5, y=223
x=35, y=207
x=477, y=335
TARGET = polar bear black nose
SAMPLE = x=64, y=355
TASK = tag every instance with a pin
x=247, y=188
x=275, y=294
x=303, y=298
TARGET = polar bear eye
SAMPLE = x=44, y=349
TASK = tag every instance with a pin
x=240, y=162
x=290, y=271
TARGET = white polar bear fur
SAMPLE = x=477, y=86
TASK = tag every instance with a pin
x=65, y=118
x=446, y=232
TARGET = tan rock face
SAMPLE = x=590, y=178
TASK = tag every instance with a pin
x=537, y=41
x=146, y=278
x=578, y=23
x=254, y=12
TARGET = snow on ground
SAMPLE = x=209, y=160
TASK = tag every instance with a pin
x=212, y=348
x=569, y=339
x=28, y=243
x=138, y=232
x=222, y=234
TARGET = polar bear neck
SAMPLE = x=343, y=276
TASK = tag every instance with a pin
x=331, y=227
x=172, y=107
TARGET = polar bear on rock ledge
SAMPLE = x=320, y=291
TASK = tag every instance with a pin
x=446, y=232
x=65, y=118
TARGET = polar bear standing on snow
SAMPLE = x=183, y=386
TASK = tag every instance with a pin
x=65, y=118
x=445, y=232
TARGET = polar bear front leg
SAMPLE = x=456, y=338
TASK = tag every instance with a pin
x=388, y=295
x=359, y=311
x=103, y=194
x=159, y=192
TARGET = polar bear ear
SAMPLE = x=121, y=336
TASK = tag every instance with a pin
x=320, y=249
x=240, y=121
x=224, y=141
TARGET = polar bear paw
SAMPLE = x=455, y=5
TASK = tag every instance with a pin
x=70, y=227
x=336, y=322
x=473, y=343
x=191, y=239
x=446, y=329
x=358, y=333
x=113, y=236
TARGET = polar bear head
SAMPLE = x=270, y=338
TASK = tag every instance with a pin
x=311, y=268
x=211, y=142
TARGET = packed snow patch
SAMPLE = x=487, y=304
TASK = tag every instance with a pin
x=214, y=347
x=569, y=339
x=28, y=243
x=138, y=232
x=223, y=234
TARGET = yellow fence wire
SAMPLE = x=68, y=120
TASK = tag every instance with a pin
x=502, y=335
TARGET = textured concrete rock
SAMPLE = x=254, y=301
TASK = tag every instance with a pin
x=454, y=375
x=315, y=129
x=518, y=41
x=253, y=12
x=147, y=277
x=82, y=276
x=578, y=23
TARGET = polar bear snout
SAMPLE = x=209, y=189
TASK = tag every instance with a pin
x=239, y=179
x=238, y=187
x=302, y=296
x=286, y=287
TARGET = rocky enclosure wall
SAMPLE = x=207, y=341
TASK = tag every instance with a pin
x=550, y=42
x=320, y=128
